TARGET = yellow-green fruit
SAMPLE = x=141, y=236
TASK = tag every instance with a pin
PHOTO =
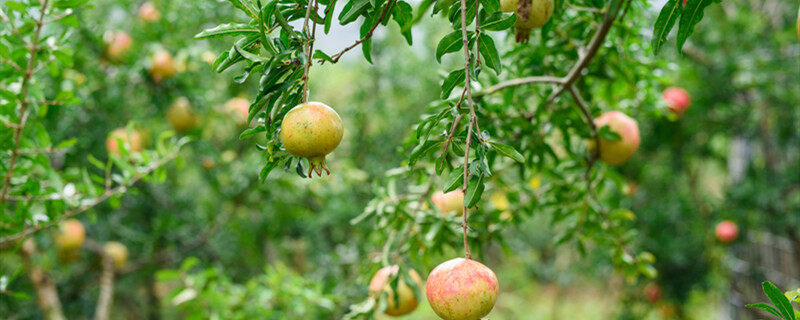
x=530, y=14
x=117, y=252
x=71, y=235
x=312, y=130
x=131, y=139
x=406, y=301
x=163, y=66
x=180, y=115
x=618, y=151
x=447, y=203
x=508, y=6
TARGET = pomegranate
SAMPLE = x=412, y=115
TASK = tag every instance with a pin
x=180, y=115
x=530, y=14
x=726, y=231
x=117, y=252
x=239, y=108
x=148, y=12
x=677, y=100
x=619, y=151
x=406, y=300
x=652, y=292
x=450, y=202
x=312, y=130
x=131, y=139
x=117, y=44
x=163, y=66
x=70, y=235
x=461, y=289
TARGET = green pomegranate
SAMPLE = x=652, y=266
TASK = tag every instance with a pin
x=530, y=14
x=312, y=130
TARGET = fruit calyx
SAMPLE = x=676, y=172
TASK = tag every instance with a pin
x=317, y=164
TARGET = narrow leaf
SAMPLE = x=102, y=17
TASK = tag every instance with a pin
x=692, y=14
x=664, y=23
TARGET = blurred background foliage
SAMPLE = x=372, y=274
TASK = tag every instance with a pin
x=210, y=241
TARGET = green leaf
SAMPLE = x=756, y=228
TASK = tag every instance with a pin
x=474, y=191
x=778, y=299
x=765, y=307
x=450, y=43
x=490, y=6
x=225, y=30
x=318, y=54
x=329, y=13
x=454, y=79
x=664, y=23
x=421, y=150
x=402, y=14
x=352, y=10
x=489, y=52
x=248, y=55
x=508, y=151
x=454, y=180
x=252, y=131
x=498, y=21
x=692, y=14
x=262, y=176
x=245, y=6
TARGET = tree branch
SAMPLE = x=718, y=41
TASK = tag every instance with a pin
x=106, y=297
x=335, y=58
x=473, y=119
x=46, y=292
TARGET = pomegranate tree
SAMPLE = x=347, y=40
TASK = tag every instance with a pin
x=447, y=203
x=70, y=235
x=117, y=252
x=530, y=14
x=312, y=130
x=163, y=66
x=406, y=301
x=616, y=152
x=461, y=289
x=726, y=231
x=180, y=115
x=677, y=100
x=131, y=139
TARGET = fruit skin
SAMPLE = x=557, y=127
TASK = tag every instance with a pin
x=461, y=289
x=180, y=115
x=240, y=108
x=131, y=138
x=148, y=12
x=677, y=99
x=406, y=299
x=447, y=203
x=726, y=231
x=117, y=252
x=312, y=130
x=71, y=235
x=619, y=151
x=652, y=292
x=117, y=44
x=530, y=14
x=163, y=66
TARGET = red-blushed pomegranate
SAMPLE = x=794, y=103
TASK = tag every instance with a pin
x=652, y=292
x=148, y=12
x=530, y=14
x=70, y=235
x=180, y=115
x=131, y=139
x=406, y=300
x=677, y=100
x=117, y=252
x=239, y=108
x=726, y=231
x=163, y=66
x=312, y=130
x=117, y=44
x=450, y=202
x=461, y=289
x=619, y=151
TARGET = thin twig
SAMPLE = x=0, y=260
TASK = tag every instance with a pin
x=309, y=46
x=23, y=110
x=517, y=82
x=472, y=119
x=335, y=58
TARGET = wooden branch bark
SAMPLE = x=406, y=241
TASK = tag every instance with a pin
x=46, y=292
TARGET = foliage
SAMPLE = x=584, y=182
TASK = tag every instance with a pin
x=782, y=308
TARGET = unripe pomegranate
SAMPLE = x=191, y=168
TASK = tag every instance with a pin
x=447, y=203
x=619, y=151
x=148, y=12
x=180, y=115
x=117, y=44
x=239, y=108
x=406, y=300
x=70, y=235
x=530, y=14
x=117, y=252
x=726, y=231
x=461, y=289
x=677, y=100
x=652, y=292
x=312, y=130
x=131, y=139
x=163, y=66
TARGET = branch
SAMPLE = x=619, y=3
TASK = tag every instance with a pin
x=46, y=292
x=517, y=82
x=335, y=58
x=23, y=110
x=11, y=240
x=106, y=289
x=473, y=119
x=310, y=47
